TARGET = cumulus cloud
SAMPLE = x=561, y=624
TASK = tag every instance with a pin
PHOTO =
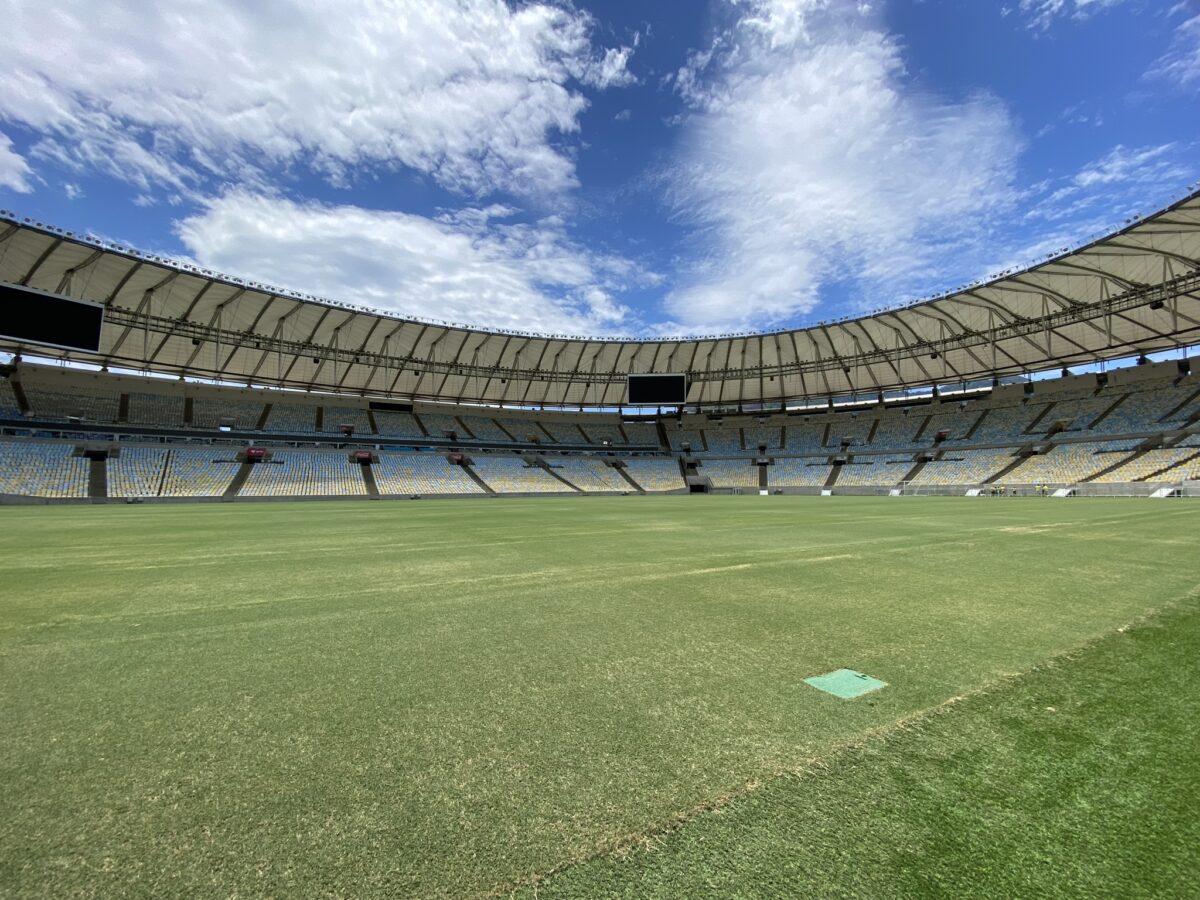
x=478, y=265
x=478, y=94
x=14, y=170
x=808, y=159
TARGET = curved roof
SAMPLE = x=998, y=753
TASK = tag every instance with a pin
x=1136, y=290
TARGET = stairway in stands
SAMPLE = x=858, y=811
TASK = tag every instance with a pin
x=239, y=479
x=369, y=480
x=1012, y=465
x=545, y=465
x=1120, y=462
x=625, y=474
x=97, y=478
x=1175, y=465
x=474, y=476
x=915, y=470
x=833, y=475
x=970, y=433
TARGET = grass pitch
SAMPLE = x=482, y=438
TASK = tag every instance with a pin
x=461, y=697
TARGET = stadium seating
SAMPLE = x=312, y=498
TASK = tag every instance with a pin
x=955, y=423
x=511, y=475
x=855, y=429
x=421, y=473
x=1068, y=463
x=770, y=435
x=334, y=417
x=1007, y=424
x=680, y=436
x=1080, y=412
x=437, y=425
x=794, y=472
x=1149, y=463
x=397, y=424
x=965, y=467
x=896, y=430
x=484, y=429
x=1136, y=403
x=563, y=432
x=91, y=404
x=521, y=429
x=136, y=472
x=875, y=470
x=736, y=473
x=641, y=434
x=198, y=473
x=291, y=418
x=655, y=473
x=304, y=474
x=1144, y=410
x=9, y=407
x=804, y=437
x=723, y=440
x=599, y=432
x=589, y=474
x=241, y=414
x=155, y=409
x=1187, y=470
x=42, y=470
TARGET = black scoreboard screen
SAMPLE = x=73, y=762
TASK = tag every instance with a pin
x=36, y=317
x=657, y=390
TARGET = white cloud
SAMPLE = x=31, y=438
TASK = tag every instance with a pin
x=612, y=70
x=808, y=160
x=1181, y=63
x=1042, y=13
x=1102, y=195
x=783, y=23
x=475, y=266
x=1109, y=188
x=1145, y=165
x=14, y=171
x=475, y=93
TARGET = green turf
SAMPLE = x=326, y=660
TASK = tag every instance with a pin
x=1078, y=780
x=450, y=697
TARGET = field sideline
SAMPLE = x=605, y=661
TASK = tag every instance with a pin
x=454, y=698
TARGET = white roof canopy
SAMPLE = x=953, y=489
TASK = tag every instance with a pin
x=1137, y=290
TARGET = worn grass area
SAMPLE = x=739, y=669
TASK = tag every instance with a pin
x=1079, y=779
x=450, y=697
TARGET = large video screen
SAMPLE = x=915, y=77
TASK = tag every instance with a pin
x=657, y=390
x=37, y=317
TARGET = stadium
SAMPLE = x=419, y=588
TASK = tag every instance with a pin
x=276, y=394
x=344, y=555
x=571, y=679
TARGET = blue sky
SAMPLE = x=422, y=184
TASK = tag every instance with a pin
x=615, y=168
